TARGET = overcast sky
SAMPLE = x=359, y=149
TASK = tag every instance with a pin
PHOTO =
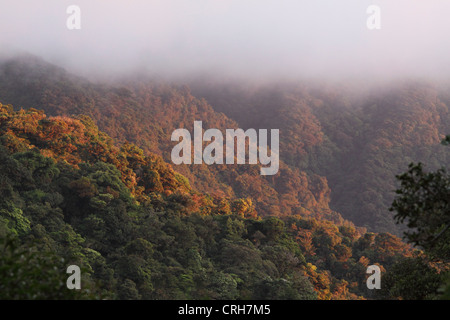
x=258, y=38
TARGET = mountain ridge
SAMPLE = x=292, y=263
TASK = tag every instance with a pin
x=339, y=149
x=121, y=111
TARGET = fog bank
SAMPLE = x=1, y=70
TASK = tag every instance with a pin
x=258, y=39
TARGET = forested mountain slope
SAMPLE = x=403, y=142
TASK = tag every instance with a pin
x=136, y=228
x=146, y=113
x=340, y=145
x=357, y=137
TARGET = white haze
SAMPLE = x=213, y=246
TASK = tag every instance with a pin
x=244, y=38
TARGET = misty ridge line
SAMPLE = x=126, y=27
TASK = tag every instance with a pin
x=277, y=105
x=236, y=140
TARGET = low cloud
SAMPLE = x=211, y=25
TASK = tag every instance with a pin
x=244, y=38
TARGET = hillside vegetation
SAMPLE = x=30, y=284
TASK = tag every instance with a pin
x=86, y=178
x=138, y=230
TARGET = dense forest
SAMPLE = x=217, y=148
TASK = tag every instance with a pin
x=359, y=139
x=340, y=146
x=86, y=179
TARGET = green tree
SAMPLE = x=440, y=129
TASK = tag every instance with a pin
x=411, y=279
x=27, y=273
x=423, y=202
